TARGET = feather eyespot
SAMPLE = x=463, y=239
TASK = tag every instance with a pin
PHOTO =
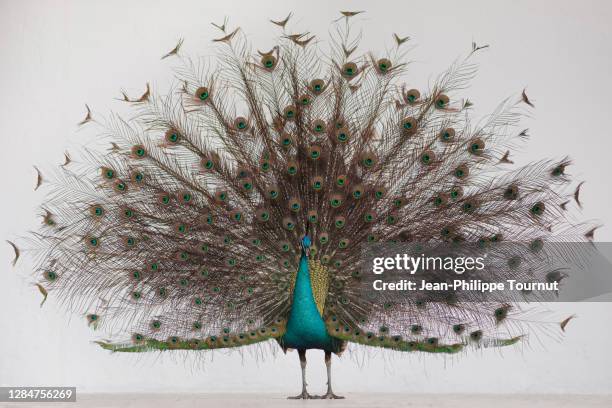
x=92, y=242
x=97, y=210
x=357, y=191
x=469, y=206
x=317, y=86
x=383, y=65
x=341, y=180
x=428, y=157
x=456, y=192
x=286, y=140
x=312, y=216
x=314, y=152
x=476, y=146
x=163, y=198
x=284, y=246
x=294, y=205
x=339, y=221
x=181, y=228
x=221, y=196
x=349, y=70
x=272, y=192
x=289, y=112
x=127, y=213
x=172, y=136
x=129, y=242
x=208, y=164
x=409, y=125
x=292, y=168
x=202, y=94
x=369, y=217
x=236, y=215
x=108, y=173
x=447, y=135
x=304, y=100
x=137, y=176
x=461, y=171
x=441, y=101
x=536, y=245
x=120, y=186
x=50, y=276
x=318, y=126
x=247, y=184
x=343, y=135
x=264, y=166
x=185, y=197
x=440, y=200
x=288, y=223
x=412, y=96
x=368, y=160
x=538, y=208
x=380, y=192
x=241, y=124
x=323, y=238
x=268, y=62
x=317, y=183
x=511, y=192
x=336, y=200
x=138, y=151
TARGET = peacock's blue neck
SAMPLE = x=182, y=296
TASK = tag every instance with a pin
x=305, y=327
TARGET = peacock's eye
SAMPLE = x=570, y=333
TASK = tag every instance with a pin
x=172, y=136
x=138, y=151
x=202, y=93
x=349, y=69
x=208, y=164
x=108, y=173
x=441, y=101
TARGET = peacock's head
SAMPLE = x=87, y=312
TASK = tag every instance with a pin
x=306, y=241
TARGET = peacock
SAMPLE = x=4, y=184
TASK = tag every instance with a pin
x=234, y=209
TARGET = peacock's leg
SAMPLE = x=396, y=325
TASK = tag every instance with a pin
x=330, y=394
x=304, y=394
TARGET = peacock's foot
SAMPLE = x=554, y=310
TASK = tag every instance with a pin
x=303, y=395
x=330, y=395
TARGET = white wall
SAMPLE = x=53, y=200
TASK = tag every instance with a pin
x=57, y=55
